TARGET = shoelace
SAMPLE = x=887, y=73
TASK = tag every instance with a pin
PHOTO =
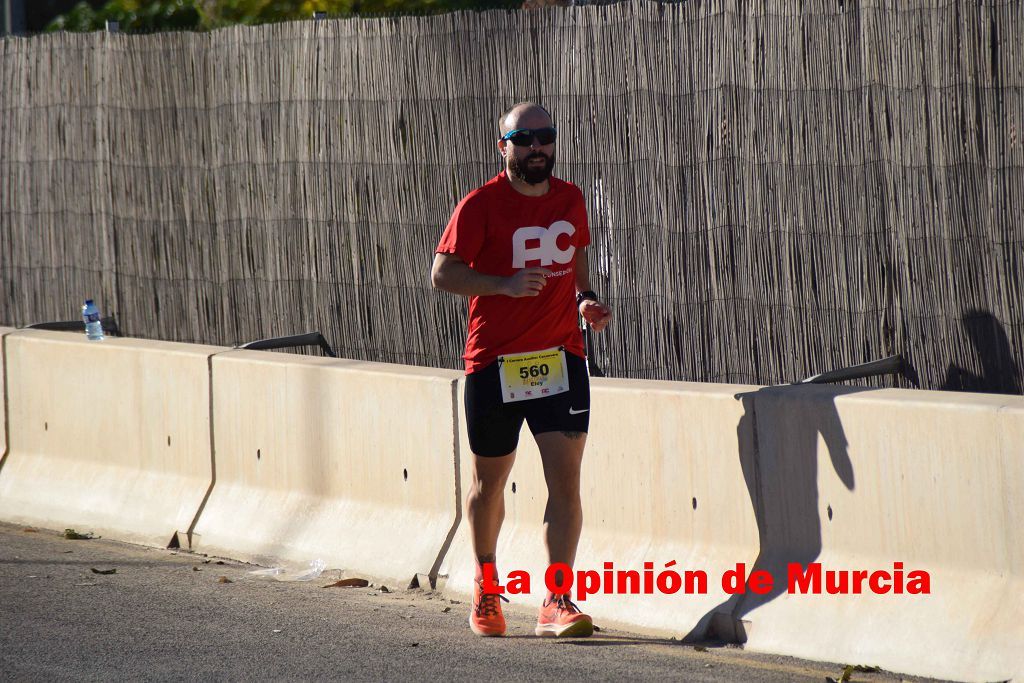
x=564, y=603
x=488, y=605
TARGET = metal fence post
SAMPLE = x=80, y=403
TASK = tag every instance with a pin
x=13, y=17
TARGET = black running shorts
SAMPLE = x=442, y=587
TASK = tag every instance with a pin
x=494, y=425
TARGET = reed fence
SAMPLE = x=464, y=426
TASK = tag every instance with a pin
x=772, y=193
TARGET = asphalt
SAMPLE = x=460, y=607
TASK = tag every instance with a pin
x=171, y=615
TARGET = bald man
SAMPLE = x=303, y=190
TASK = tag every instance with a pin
x=517, y=247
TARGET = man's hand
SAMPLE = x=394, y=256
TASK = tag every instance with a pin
x=527, y=282
x=597, y=315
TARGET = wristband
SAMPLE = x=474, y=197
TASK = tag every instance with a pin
x=583, y=296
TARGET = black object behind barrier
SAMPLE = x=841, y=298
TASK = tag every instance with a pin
x=109, y=323
x=884, y=366
x=592, y=366
x=308, y=339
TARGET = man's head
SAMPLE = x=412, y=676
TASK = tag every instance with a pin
x=527, y=142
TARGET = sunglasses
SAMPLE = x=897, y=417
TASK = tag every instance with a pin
x=523, y=137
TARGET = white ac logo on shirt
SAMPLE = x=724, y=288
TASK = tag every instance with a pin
x=547, y=251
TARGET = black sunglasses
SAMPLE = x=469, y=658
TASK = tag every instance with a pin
x=523, y=137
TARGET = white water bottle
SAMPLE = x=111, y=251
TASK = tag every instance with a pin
x=91, y=317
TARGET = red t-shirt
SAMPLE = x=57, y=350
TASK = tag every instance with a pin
x=499, y=231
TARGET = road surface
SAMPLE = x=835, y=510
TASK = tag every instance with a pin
x=169, y=615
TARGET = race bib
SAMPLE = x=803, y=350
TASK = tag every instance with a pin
x=535, y=374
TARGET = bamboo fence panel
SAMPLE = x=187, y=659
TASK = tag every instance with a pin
x=774, y=190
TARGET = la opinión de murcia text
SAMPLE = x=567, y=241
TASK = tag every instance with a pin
x=810, y=579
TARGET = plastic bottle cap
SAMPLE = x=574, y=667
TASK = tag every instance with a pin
x=88, y=301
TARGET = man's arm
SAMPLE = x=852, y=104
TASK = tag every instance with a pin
x=451, y=274
x=594, y=312
x=582, y=270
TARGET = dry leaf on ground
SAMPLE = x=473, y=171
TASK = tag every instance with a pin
x=349, y=583
x=73, y=535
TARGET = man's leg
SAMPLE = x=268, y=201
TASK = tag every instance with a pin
x=485, y=509
x=485, y=503
x=562, y=455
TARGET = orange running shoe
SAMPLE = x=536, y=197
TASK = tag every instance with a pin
x=486, y=618
x=561, y=618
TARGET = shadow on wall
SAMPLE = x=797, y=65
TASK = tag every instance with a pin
x=784, y=465
x=1000, y=372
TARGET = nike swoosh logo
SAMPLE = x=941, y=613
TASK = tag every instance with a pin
x=577, y=412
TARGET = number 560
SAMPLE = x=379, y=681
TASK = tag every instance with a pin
x=534, y=371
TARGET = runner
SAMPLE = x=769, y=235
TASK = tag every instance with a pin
x=517, y=248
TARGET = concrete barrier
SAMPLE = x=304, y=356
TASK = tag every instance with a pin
x=4, y=331
x=348, y=462
x=858, y=480
x=664, y=478
x=365, y=465
x=111, y=437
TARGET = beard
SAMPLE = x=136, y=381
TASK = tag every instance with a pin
x=529, y=173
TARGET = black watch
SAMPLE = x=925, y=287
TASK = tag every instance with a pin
x=583, y=296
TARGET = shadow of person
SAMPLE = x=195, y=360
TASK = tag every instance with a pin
x=780, y=469
x=1000, y=373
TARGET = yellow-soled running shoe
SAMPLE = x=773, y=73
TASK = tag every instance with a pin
x=560, y=617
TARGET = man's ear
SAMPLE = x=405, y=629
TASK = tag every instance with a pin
x=502, y=144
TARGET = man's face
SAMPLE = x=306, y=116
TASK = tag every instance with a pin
x=532, y=163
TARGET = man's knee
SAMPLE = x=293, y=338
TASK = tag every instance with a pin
x=486, y=491
x=564, y=492
x=489, y=478
x=564, y=509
